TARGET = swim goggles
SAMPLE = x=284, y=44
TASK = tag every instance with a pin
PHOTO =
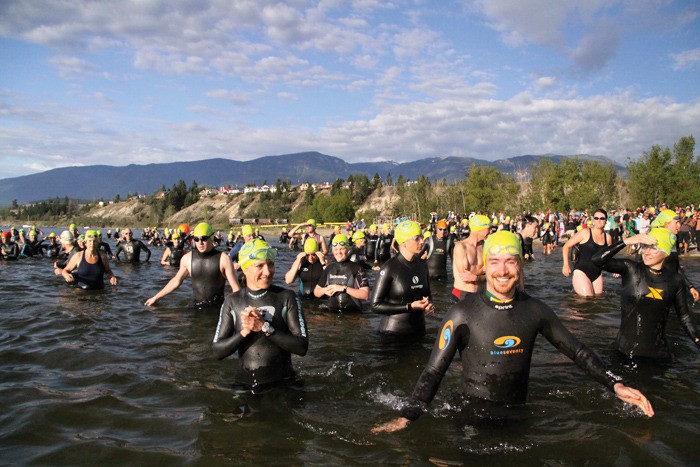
x=203, y=238
x=507, y=249
x=340, y=244
x=263, y=254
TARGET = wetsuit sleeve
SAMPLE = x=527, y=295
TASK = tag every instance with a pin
x=454, y=335
x=119, y=250
x=228, y=337
x=684, y=314
x=604, y=258
x=379, y=300
x=148, y=252
x=555, y=332
x=297, y=342
x=686, y=281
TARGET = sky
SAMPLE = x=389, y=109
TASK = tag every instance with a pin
x=150, y=81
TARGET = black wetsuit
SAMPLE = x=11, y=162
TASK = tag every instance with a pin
x=585, y=253
x=53, y=250
x=176, y=254
x=358, y=255
x=90, y=276
x=208, y=284
x=348, y=274
x=262, y=359
x=647, y=297
x=495, y=341
x=132, y=251
x=309, y=273
x=401, y=282
x=526, y=245
x=65, y=257
x=10, y=251
x=104, y=246
x=371, y=246
x=35, y=248
x=383, y=251
x=438, y=250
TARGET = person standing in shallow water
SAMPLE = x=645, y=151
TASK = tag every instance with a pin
x=262, y=322
x=494, y=331
x=587, y=278
x=90, y=266
x=209, y=268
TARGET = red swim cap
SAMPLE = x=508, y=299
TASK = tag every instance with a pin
x=184, y=228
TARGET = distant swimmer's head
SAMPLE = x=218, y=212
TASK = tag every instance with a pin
x=176, y=236
x=442, y=225
x=246, y=230
x=386, y=228
x=52, y=235
x=32, y=233
x=358, y=236
x=7, y=235
x=669, y=220
x=310, y=246
x=373, y=229
x=479, y=222
x=184, y=228
x=67, y=237
x=72, y=227
x=90, y=234
x=502, y=242
x=408, y=231
x=99, y=233
x=256, y=251
x=311, y=222
x=665, y=240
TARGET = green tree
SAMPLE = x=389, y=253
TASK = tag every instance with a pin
x=489, y=190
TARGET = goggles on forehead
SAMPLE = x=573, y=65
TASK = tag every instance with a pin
x=339, y=244
x=263, y=254
x=500, y=249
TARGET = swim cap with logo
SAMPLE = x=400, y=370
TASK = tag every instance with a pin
x=665, y=239
x=406, y=230
x=664, y=217
x=479, y=222
x=255, y=250
x=502, y=242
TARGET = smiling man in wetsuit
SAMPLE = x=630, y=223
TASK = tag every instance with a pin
x=209, y=268
x=262, y=322
x=494, y=331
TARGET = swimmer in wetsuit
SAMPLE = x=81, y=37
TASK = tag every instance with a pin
x=527, y=234
x=209, y=268
x=649, y=289
x=262, y=322
x=402, y=291
x=343, y=282
x=131, y=248
x=437, y=247
x=174, y=251
x=494, y=331
x=9, y=250
x=467, y=265
x=383, y=251
x=69, y=250
x=587, y=279
x=90, y=266
x=308, y=267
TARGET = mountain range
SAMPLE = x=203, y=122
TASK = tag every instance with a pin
x=105, y=182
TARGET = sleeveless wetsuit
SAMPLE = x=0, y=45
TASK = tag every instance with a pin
x=399, y=283
x=647, y=297
x=176, y=254
x=132, y=251
x=91, y=276
x=495, y=341
x=208, y=284
x=346, y=273
x=438, y=249
x=262, y=359
x=585, y=253
x=309, y=274
x=383, y=252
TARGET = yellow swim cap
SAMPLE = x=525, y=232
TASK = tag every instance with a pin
x=340, y=238
x=479, y=222
x=373, y=228
x=406, y=230
x=176, y=235
x=311, y=222
x=664, y=217
x=359, y=235
x=501, y=242
x=310, y=245
x=90, y=234
x=665, y=239
x=386, y=228
x=247, y=230
x=203, y=230
x=255, y=250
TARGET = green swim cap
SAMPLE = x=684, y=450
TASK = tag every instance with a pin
x=203, y=230
x=406, y=230
x=90, y=233
x=32, y=233
x=501, y=242
x=311, y=222
x=72, y=226
x=255, y=250
x=665, y=239
x=247, y=230
x=99, y=233
x=176, y=235
x=479, y=222
x=310, y=245
x=52, y=235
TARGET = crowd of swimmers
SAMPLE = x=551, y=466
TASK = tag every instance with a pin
x=493, y=322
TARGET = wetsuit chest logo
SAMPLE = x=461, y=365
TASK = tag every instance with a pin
x=508, y=344
x=416, y=282
x=446, y=334
x=656, y=294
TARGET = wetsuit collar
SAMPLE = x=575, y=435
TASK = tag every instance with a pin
x=256, y=294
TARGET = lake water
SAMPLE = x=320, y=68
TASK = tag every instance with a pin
x=97, y=378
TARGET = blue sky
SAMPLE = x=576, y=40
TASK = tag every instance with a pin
x=137, y=81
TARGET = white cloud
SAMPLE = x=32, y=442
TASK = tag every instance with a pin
x=236, y=98
x=686, y=59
